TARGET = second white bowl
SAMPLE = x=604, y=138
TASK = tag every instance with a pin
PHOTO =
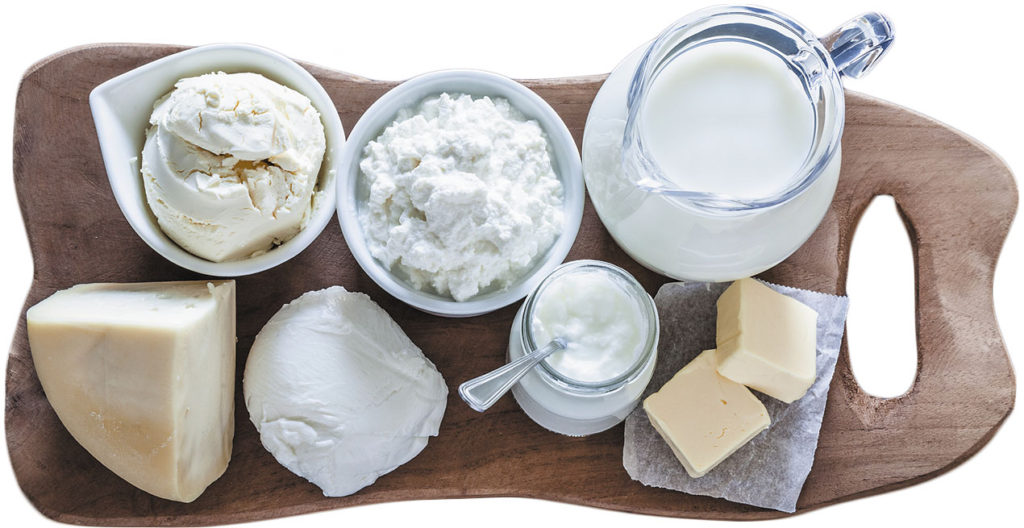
x=565, y=159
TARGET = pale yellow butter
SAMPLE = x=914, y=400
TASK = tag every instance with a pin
x=143, y=376
x=766, y=340
x=703, y=416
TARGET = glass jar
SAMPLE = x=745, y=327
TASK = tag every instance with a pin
x=572, y=407
x=686, y=232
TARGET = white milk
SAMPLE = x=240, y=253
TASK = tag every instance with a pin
x=729, y=118
x=711, y=134
x=601, y=323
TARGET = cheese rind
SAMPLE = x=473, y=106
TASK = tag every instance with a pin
x=142, y=376
x=703, y=416
x=766, y=340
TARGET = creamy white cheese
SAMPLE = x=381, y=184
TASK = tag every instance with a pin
x=338, y=393
x=230, y=164
x=462, y=195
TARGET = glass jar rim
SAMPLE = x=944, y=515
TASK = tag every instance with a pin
x=713, y=202
x=635, y=291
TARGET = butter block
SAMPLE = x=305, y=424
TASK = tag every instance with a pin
x=143, y=376
x=766, y=340
x=703, y=416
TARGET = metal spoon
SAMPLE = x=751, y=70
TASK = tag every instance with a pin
x=482, y=391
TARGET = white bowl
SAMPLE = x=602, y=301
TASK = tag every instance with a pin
x=121, y=108
x=352, y=189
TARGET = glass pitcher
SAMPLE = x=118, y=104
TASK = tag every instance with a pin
x=680, y=217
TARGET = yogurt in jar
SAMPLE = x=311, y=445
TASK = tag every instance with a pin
x=601, y=324
x=610, y=325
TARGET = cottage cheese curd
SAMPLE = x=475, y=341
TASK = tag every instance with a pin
x=462, y=195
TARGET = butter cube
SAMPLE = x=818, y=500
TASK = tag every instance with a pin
x=766, y=340
x=143, y=376
x=703, y=416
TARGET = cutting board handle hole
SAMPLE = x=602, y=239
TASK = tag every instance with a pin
x=881, y=322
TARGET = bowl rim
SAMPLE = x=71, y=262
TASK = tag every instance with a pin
x=382, y=113
x=255, y=56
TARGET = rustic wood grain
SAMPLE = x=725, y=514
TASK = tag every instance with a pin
x=957, y=200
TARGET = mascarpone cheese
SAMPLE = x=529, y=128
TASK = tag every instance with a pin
x=230, y=164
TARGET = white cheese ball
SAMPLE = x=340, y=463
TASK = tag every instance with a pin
x=338, y=393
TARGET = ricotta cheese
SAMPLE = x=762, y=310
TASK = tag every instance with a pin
x=462, y=195
x=338, y=393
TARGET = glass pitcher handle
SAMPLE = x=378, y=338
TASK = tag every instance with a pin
x=858, y=44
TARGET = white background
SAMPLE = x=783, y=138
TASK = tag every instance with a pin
x=959, y=65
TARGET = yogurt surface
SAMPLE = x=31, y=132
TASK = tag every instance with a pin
x=602, y=324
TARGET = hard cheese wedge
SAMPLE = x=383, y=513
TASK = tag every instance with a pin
x=766, y=340
x=142, y=375
x=703, y=416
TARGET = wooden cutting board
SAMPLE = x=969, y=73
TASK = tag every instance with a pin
x=957, y=200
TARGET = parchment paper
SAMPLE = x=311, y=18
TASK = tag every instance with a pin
x=771, y=469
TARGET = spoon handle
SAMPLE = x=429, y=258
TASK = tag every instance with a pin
x=482, y=391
